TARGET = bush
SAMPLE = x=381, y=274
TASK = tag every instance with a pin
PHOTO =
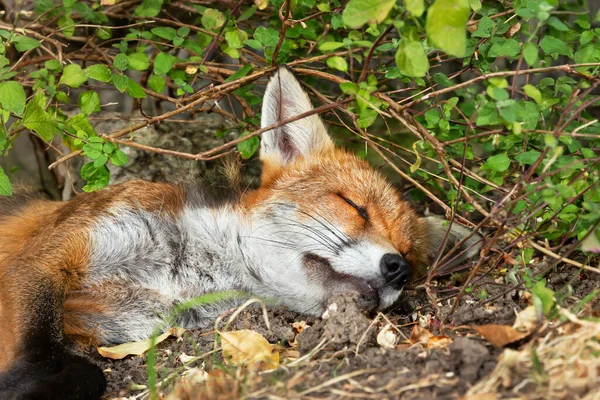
x=487, y=107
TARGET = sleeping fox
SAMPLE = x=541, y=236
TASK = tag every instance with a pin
x=105, y=267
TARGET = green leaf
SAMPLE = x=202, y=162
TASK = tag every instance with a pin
x=557, y=24
x=412, y=59
x=530, y=54
x=120, y=81
x=446, y=25
x=149, y=8
x=5, y=185
x=80, y=123
x=119, y=158
x=498, y=163
x=73, y=76
x=163, y=63
x=504, y=48
x=235, y=38
x=135, y=90
x=98, y=72
x=266, y=36
x=248, y=147
x=101, y=160
x=12, y=97
x=359, y=12
x=89, y=102
x=553, y=46
x=533, y=92
x=338, y=63
x=138, y=61
x=97, y=177
x=164, y=32
x=415, y=7
x=240, y=73
x=484, y=28
x=121, y=62
x=53, y=65
x=528, y=157
x=543, y=298
x=255, y=44
x=67, y=26
x=475, y=5
x=367, y=117
x=212, y=19
x=157, y=83
x=349, y=87
x=247, y=14
x=24, y=43
x=39, y=121
x=329, y=46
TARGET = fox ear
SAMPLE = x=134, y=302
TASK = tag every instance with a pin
x=437, y=229
x=284, y=99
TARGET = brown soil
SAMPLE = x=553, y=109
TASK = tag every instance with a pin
x=343, y=358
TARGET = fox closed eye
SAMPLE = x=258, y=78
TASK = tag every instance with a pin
x=362, y=211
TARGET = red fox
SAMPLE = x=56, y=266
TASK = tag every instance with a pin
x=106, y=267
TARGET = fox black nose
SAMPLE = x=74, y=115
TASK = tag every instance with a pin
x=395, y=270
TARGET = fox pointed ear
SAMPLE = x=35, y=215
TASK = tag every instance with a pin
x=284, y=99
x=437, y=229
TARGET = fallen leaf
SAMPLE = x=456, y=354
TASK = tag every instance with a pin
x=136, y=348
x=299, y=326
x=499, y=335
x=246, y=347
x=194, y=376
x=108, y=2
x=427, y=339
x=386, y=337
x=438, y=342
x=419, y=335
x=526, y=320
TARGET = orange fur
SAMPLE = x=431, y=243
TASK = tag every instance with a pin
x=315, y=184
x=50, y=241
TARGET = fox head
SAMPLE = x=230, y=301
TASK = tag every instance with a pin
x=330, y=222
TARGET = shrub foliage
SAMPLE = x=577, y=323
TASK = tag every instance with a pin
x=487, y=107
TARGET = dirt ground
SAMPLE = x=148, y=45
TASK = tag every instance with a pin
x=340, y=356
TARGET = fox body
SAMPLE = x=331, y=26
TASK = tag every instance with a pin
x=107, y=267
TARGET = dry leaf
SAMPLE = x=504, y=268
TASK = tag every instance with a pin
x=194, y=376
x=526, y=320
x=512, y=30
x=246, y=347
x=419, y=335
x=499, y=335
x=386, y=337
x=427, y=339
x=136, y=348
x=438, y=342
x=299, y=326
x=191, y=70
x=108, y=2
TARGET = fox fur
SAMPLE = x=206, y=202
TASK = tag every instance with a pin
x=106, y=267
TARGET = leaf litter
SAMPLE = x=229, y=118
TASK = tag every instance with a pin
x=407, y=354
